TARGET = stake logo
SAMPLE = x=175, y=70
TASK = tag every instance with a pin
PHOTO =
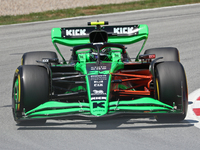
x=101, y=105
x=98, y=92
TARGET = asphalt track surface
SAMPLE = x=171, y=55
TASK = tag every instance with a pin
x=174, y=27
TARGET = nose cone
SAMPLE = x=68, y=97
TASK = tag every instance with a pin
x=99, y=93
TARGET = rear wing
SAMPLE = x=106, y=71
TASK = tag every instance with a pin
x=124, y=34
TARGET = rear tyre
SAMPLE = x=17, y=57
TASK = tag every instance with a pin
x=31, y=58
x=30, y=89
x=171, y=87
x=168, y=53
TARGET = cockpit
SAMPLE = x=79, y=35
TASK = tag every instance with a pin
x=99, y=52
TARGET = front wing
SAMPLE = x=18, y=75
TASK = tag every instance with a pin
x=142, y=106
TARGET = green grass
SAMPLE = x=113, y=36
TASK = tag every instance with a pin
x=91, y=10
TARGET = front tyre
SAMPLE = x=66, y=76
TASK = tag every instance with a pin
x=30, y=89
x=171, y=88
x=168, y=53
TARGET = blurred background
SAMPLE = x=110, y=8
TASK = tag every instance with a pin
x=17, y=7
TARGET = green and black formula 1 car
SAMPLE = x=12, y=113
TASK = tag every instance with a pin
x=100, y=79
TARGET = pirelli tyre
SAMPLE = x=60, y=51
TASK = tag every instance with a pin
x=31, y=58
x=30, y=89
x=168, y=53
x=171, y=89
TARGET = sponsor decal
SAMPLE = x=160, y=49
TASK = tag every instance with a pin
x=98, y=81
x=68, y=32
x=125, y=30
x=45, y=60
x=75, y=32
x=98, y=77
x=94, y=67
x=98, y=110
x=98, y=68
x=100, y=104
x=98, y=98
x=98, y=92
x=98, y=85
